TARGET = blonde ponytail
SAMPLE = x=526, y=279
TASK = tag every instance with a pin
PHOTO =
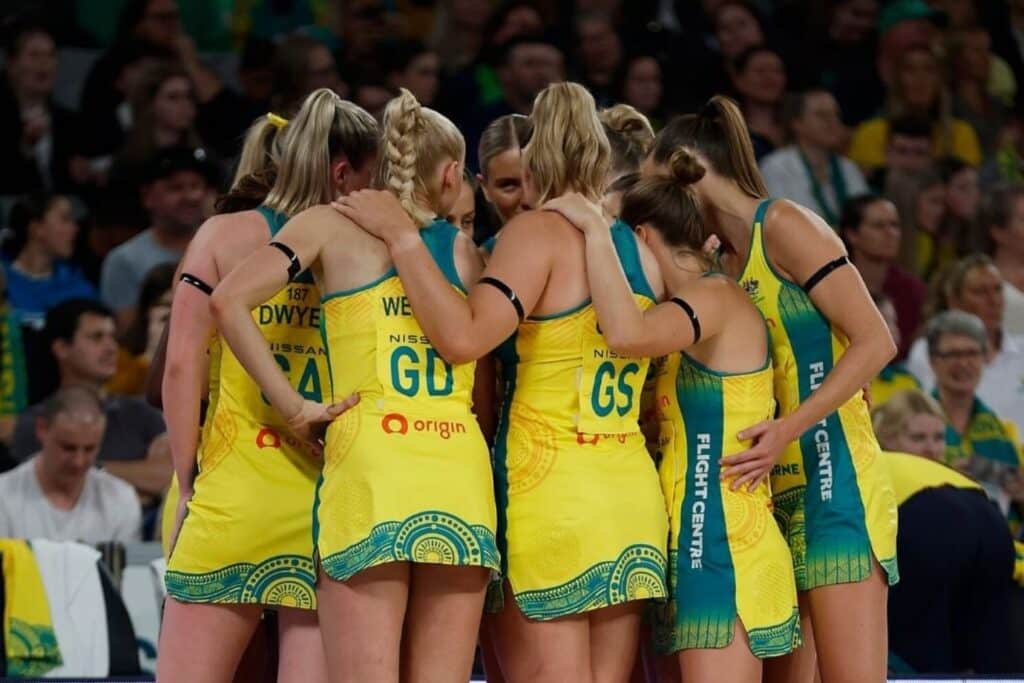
x=630, y=135
x=261, y=150
x=416, y=140
x=569, y=149
x=324, y=128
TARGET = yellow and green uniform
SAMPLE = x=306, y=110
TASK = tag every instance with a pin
x=832, y=496
x=582, y=523
x=407, y=473
x=28, y=636
x=727, y=557
x=247, y=537
x=893, y=379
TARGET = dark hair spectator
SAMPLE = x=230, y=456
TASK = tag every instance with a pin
x=759, y=77
x=1001, y=220
x=920, y=198
x=302, y=65
x=599, y=54
x=412, y=65
x=140, y=341
x=641, y=84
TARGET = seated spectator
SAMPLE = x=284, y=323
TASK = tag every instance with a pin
x=641, y=85
x=917, y=90
x=134, y=445
x=978, y=441
x=907, y=149
x=894, y=377
x=57, y=493
x=963, y=199
x=413, y=66
x=973, y=285
x=599, y=54
x=39, y=276
x=139, y=345
x=911, y=421
x=301, y=65
x=1002, y=220
x=970, y=52
x=38, y=137
x=811, y=172
x=920, y=198
x=163, y=116
x=759, y=78
x=871, y=229
x=174, y=188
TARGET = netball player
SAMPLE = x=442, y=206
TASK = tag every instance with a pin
x=581, y=521
x=245, y=543
x=831, y=494
x=404, y=519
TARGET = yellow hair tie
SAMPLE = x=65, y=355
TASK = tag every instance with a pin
x=277, y=121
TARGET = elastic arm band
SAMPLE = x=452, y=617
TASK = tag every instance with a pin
x=688, y=310
x=824, y=272
x=294, y=268
x=190, y=279
x=507, y=291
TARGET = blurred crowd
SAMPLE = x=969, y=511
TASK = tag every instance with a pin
x=900, y=123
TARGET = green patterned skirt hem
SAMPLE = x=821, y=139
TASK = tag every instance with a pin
x=637, y=574
x=711, y=632
x=432, y=537
x=32, y=649
x=281, y=581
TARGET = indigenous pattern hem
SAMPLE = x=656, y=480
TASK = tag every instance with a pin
x=637, y=574
x=281, y=581
x=432, y=537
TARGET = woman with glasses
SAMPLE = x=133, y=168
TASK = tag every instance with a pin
x=978, y=442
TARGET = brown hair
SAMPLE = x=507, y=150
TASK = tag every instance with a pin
x=325, y=128
x=415, y=141
x=630, y=135
x=997, y=209
x=904, y=188
x=511, y=131
x=569, y=149
x=720, y=135
x=140, y=143
x=669, y=204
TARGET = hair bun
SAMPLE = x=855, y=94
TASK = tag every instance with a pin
x=631, y=124
x=686, y=168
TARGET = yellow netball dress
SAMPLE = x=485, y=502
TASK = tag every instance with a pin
x=407, y=473
x=832, y=494
x=581, y=519
x=247, y=537
x=727, y=557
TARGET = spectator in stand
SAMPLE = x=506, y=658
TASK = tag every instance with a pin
x=143, y=337
x=57, y=493
x=225, y=114
x=1002, y=220
x=39, y=275
x=904, y=25
x=916, y=91
x=599, y=52
x=911, y=421
x=134, y=446
x=411, y=65
x=459, y=32
x=907, y=148
x=372, y=92
x=38, y=137
x=759, y=77
x=833, y=46
x=894, y=377
x=970, y=52
x=147, y=30
x=163, y=116
x=811, y=171
x=640, y=84
x=301, y=65
x=979, y=441
x=951, y=615
x=528, y=65
x=870, y=227
x=175, y=185
x=973, y=285
x=963, y=200
x=920, y=198
x=737, y=26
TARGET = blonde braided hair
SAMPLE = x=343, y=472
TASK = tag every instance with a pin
x=415, y=141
